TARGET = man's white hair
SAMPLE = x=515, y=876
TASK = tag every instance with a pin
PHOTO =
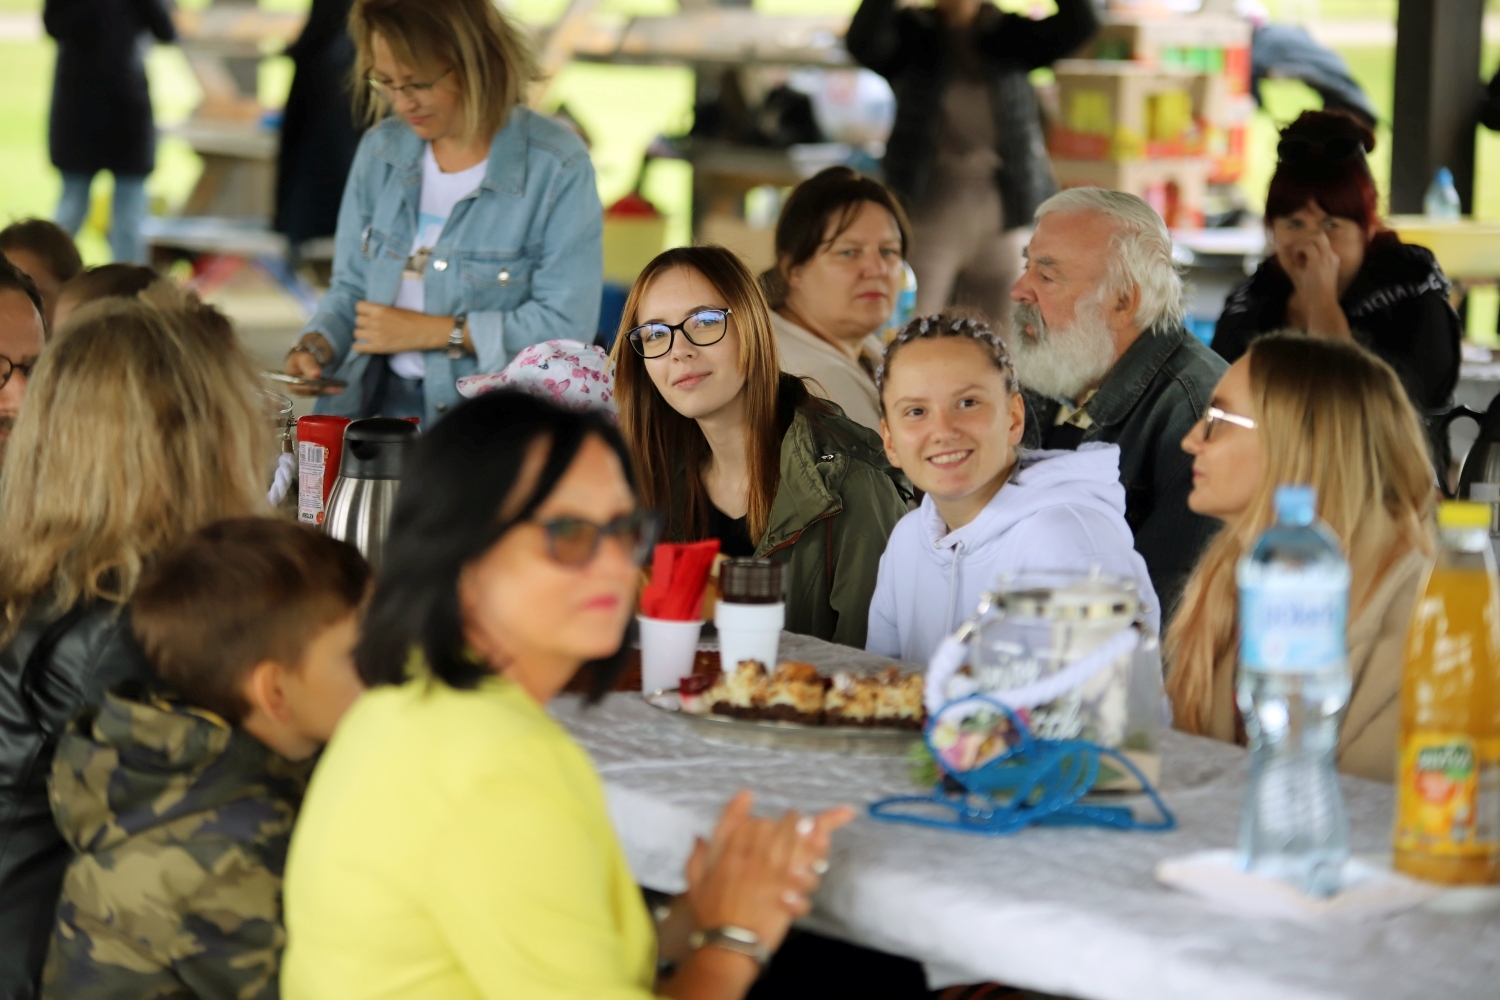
x=1142, y=250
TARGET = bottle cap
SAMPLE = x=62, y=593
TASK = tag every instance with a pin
x=1296, y=504
x=1463, y=514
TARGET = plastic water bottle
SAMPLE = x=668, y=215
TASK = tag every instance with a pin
x=1441, y=200
x=1293, y=688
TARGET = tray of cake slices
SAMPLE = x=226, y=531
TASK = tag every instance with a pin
x=794, y=707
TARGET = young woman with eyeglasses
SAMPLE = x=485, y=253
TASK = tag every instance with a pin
x=729, y=447
x=470, y=227
x=1298, y=409
x=1334, y=270
x=455, y=840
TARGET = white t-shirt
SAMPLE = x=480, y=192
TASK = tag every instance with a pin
x=440, y=192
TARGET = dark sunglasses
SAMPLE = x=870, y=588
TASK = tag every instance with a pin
x=574, y=541
x=1340, y=149
x=703, y=328
x=9, y=367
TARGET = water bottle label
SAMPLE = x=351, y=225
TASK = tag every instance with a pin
x=1293, y=625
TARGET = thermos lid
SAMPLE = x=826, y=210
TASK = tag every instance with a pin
x=750, y=581
x=375, y=448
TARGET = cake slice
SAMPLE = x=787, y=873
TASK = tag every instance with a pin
x=740, y=692
x=795, y=694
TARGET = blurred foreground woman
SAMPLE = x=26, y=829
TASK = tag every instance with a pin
x=454, y=841
x=142, y=424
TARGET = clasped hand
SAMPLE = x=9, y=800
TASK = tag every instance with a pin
x=389, y=330
x=759, y=873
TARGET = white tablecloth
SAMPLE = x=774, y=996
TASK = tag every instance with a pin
x=1075, y=911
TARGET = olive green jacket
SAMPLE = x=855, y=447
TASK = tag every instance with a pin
x=838, y=501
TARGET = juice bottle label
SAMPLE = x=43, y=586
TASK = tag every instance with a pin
x=1448, y=795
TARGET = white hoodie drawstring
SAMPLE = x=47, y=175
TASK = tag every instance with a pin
x=958, y=552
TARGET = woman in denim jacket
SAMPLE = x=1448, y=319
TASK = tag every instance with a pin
x=470, y=227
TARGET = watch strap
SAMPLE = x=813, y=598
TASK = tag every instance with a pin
x=732, y=938
x=456, y=337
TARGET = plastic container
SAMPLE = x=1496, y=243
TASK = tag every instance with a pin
x=667, y=651
x=320, y=447
x=1448, y=775
x=1293, y=688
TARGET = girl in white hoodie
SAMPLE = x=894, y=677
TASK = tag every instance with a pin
x=952, y=417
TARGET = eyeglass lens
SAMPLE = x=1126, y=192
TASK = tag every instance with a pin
x=575, y=542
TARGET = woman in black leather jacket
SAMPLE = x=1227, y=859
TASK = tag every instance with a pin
x=142, y=423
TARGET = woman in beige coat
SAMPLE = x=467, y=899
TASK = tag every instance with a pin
x=1332, y=415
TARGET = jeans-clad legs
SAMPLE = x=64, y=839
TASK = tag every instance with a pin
x=129, y=210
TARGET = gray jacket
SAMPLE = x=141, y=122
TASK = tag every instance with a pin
x=1146, y=404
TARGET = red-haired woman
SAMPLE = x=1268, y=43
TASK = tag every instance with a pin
x=1337, y=272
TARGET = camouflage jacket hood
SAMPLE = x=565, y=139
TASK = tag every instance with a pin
x=180, y=825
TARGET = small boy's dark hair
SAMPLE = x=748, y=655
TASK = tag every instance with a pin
x=955, y=321
x=47, y=240
x=109, y=281
x=238, y=593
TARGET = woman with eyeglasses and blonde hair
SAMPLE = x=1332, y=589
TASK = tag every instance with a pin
x=727, y=446
x=1332, y=415
x=470, y=227
x=143, y=422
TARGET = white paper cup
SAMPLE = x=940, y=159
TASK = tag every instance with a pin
x=667, y=651
x=749, y=632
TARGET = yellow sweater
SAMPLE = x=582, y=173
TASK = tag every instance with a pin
x=455, y=844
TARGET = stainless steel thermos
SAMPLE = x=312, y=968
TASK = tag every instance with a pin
x=359, y=508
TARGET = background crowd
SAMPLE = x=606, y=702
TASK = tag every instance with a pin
x=174, y=656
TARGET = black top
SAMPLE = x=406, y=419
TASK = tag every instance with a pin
x=101, y=108
x=733, y=533
x=1397, y=306
x=909, y=47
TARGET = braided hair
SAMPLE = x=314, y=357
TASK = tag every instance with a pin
x=950, y=323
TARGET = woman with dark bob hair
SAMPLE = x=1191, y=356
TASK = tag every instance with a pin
x=1335, y=271
x=455, y=840
x=840, y=244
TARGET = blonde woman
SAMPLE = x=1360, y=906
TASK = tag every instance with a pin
x=728, y=446
x=142, y=424
x=470, y=226
x=1333, y=415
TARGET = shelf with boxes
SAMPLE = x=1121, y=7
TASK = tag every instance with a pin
x=1157, y=107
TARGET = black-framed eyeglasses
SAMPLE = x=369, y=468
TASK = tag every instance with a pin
x=703, y=328
x=418, y=92
x=1339, y=149
x=9, y=367
x=1218, y=416
x=574, y=541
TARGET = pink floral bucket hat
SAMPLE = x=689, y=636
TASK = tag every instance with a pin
x=572, y=374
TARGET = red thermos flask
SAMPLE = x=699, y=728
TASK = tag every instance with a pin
x=320, y=446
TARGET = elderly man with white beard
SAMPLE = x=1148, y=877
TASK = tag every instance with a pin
x=1100, y=349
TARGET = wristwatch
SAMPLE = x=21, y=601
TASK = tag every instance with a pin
x=456, y=338
x=732, y=938
x=306, y=347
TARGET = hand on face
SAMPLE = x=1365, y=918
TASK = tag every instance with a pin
x=1320, y=253
x=1228, y=466
x=759, y=873
x=536, y=619
x=848, y=289
x=695, y=381
x=950, y=423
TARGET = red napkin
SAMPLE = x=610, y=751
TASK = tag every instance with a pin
x=679, y=572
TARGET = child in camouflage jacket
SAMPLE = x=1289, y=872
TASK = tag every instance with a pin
x=178, y=799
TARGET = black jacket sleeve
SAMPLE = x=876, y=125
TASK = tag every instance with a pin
x=1233, y=332
x=1428, y=352
x=1014, y=38
x=875, y=38
x=156, y=15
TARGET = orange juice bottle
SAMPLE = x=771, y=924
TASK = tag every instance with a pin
x=1448, y=771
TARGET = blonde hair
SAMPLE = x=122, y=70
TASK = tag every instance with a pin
x=1334, y=416
x=665, y=445
x=143, y=422
x=487, y=52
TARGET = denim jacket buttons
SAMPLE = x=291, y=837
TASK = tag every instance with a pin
x=504, y=276
x=440, y=265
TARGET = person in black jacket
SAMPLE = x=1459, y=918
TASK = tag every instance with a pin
x=142, y=424
x=1335, y=272
x=967, y=150
x=101, y=109
x=318, y=131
